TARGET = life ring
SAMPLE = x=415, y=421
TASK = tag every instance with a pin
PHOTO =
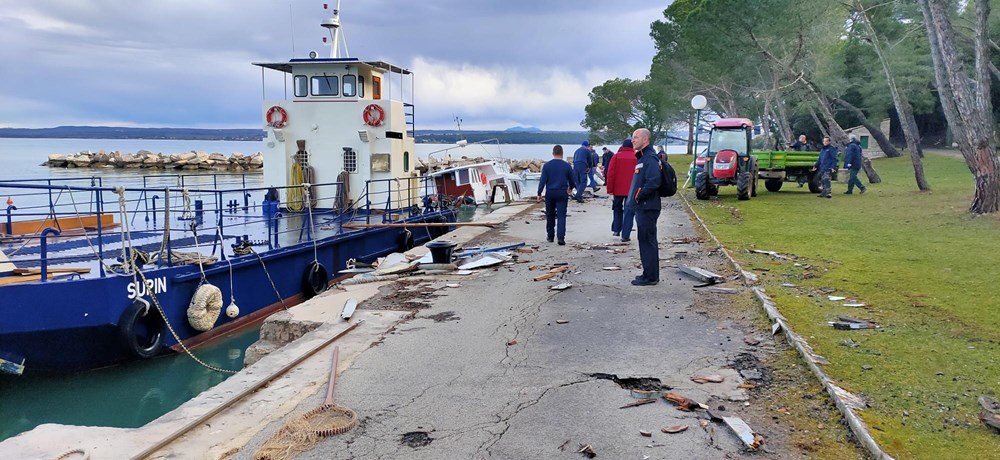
x=404, y=241
x=277, y=117
x=203, y=311
x=141, y=329
x=374, y=115
x=315, y=279
x=482, y=177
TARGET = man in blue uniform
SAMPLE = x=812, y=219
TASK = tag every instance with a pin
x=581, y=165
x=556, y=180
x=826, y=166
x=852, y=161
x=644, y=200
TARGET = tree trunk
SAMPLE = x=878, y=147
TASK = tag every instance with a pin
x=784, y=125
x=903, y=107
x=873, y=177
x=690, y=145
x=765, y=128
x=880, y=138
x=819, y=124
x=969, y=109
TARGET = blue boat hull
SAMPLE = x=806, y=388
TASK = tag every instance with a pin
x=73, y=325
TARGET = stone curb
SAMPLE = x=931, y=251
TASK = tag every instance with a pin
x=845, y=401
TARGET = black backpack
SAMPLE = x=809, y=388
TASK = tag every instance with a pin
x=668, y=180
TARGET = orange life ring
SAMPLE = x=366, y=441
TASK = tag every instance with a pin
x=374, y=115
x=277, y=117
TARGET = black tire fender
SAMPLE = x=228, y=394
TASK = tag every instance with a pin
x=404, y=241
x=141, y=314
x=315, y=280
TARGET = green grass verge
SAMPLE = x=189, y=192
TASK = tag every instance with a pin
x=927, y=271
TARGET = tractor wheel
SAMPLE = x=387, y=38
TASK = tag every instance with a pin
x=773, y=185
x=743, y=184
x=814, y=183
x=701, y=187
x=713, y=190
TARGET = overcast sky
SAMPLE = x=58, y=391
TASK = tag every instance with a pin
x=186, y=63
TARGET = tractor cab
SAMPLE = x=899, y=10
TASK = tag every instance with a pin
x=729, y=161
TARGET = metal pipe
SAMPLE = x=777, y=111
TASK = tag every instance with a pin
x=44, y=243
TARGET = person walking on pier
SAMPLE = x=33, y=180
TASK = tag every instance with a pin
x=826, y=166
x=852, y=161
x=618, y=178
x=581, y=165
x=557, y=179
x=644, y=200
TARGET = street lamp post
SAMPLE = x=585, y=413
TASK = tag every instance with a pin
x=697, y=103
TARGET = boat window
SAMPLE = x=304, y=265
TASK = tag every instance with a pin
x=361, y=86
x=350, y=85
x=350, y=160
x=376, y=87
x=462, y=177
x=325, y=85
x=301, y=86
x=517, y=188
x=406, y=161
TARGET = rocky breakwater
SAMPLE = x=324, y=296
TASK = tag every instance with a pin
x=144, y=159
x=516, y=166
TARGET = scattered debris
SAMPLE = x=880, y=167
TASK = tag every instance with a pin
x=587, y=451
x=462, y=272
x=701, y=274
x=534, y=267
x=683, y=403
x=772, y=254
x=826, y=290
x=648, y=434
x=562, y=321
x=746, y=386
x=849, y=343
x=561, y=286
x=484, y=261
x=640, y=402
x=991, y=414
x=525, y=250
x=511, y=342
x=787, y=285
x=854, y=304
x=866, y=367
x=775, y=328
x=848, y=323
x=752, y=341
x=559, y=268
x=545, y=276
x=743, y=431
x=349, y=307
x=703, y=423
x=714, y=378
x=612, y=268
x=674, y=429
x=686, y=240
x=562, y=447
x=836, y=298
x=453, y=285
x=722, y=290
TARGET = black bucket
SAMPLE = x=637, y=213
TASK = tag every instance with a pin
x=441, y=251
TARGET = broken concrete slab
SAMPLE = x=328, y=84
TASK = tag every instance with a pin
x=752, y=440
x=701, y=274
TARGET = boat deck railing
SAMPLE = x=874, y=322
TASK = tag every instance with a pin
x=50, y=222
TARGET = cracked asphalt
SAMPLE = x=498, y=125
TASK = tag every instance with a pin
x=499, y=377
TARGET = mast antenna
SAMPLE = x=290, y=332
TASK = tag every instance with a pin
x=336, y=33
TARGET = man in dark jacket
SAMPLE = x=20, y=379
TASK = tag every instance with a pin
x=800, y=145
x=644, y=199
x=556, y=180
x=581, y=164
x=618, y=178
x=826, y=166
x=852, y=161
x=606, y=162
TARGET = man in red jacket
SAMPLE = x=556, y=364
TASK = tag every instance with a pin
x=618, y=180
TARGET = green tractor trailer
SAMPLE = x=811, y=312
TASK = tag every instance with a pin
x=776, y=168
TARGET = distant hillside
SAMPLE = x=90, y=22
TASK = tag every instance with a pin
x=505, y=137
x=110, y=132
x=522, y=129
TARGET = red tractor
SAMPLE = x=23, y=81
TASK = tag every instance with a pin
x=729, y=160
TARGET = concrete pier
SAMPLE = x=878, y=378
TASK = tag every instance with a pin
x=497, y=365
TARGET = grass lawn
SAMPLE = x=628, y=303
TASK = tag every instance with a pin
x=928, y=273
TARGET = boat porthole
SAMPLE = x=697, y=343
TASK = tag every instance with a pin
x=141, y=328
x=315, y=279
